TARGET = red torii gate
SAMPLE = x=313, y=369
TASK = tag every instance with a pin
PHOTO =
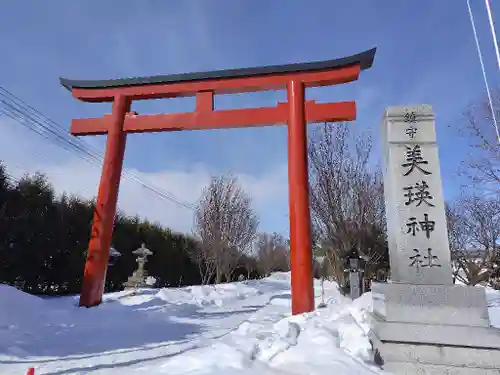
x=296, y=113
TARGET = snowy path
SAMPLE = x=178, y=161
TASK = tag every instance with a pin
x=126, y=331
x=239, y=328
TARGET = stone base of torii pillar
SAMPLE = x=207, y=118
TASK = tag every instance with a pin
x=422, y=323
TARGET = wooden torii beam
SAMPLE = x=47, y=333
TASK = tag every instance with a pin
x=296, y=112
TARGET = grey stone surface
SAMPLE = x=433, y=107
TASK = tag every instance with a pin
x=409, y=358
x=477, y=337
x=414, y=198
x=422, y=323
x=430, y=304
x=413, y=335
x=424, y=131
x=408, y=368
x=444, y=355
x=354, y=284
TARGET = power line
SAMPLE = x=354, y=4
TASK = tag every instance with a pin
x=28, y=121
x=495, y=124
x=46, y=127
x=493, y=33
x=31, y=118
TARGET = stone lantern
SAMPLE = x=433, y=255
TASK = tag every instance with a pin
x=138, y=278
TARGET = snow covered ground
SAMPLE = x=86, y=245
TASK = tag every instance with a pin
x=239, y=328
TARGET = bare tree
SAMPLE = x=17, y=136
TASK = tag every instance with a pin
x=478, y=212
x=482, y=166
x=474, y=236
x=250, y=264
x=457, y=237
x=225, y=224
x=332, y=265
x=273, y=254
x=204, y=258
x=347, y=198
x=483, y=216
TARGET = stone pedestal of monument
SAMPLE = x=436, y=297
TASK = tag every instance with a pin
x=434, y=329
x=422, y=323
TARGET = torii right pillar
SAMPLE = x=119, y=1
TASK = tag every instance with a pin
x=298, y=186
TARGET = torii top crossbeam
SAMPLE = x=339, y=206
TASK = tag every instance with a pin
x=204, y=85
x=296, y=113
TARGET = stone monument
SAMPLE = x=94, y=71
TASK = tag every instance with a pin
x=422, y=323
x=138, y=278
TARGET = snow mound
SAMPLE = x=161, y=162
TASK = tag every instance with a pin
x=239, y=329
x=208, y=295
x=22, y=314
x=330, y=340
x=199, y=295
x=18, y=307
x=9, y=293
x=279, y=276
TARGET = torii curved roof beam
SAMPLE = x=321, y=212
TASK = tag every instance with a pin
x=264, y=78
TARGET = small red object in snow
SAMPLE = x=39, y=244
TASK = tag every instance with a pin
x=31, y=371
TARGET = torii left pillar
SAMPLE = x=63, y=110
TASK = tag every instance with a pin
x=105, y=210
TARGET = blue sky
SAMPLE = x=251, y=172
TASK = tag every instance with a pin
x=426, y=54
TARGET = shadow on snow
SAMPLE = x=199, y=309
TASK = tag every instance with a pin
x=104, y=328
x=110, y=328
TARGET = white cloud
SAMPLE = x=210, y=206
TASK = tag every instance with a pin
x=23, y=151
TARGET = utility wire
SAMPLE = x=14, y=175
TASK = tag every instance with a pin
x=493, y=33
x=23, y=113
x=69, y=143
x=495, y=124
